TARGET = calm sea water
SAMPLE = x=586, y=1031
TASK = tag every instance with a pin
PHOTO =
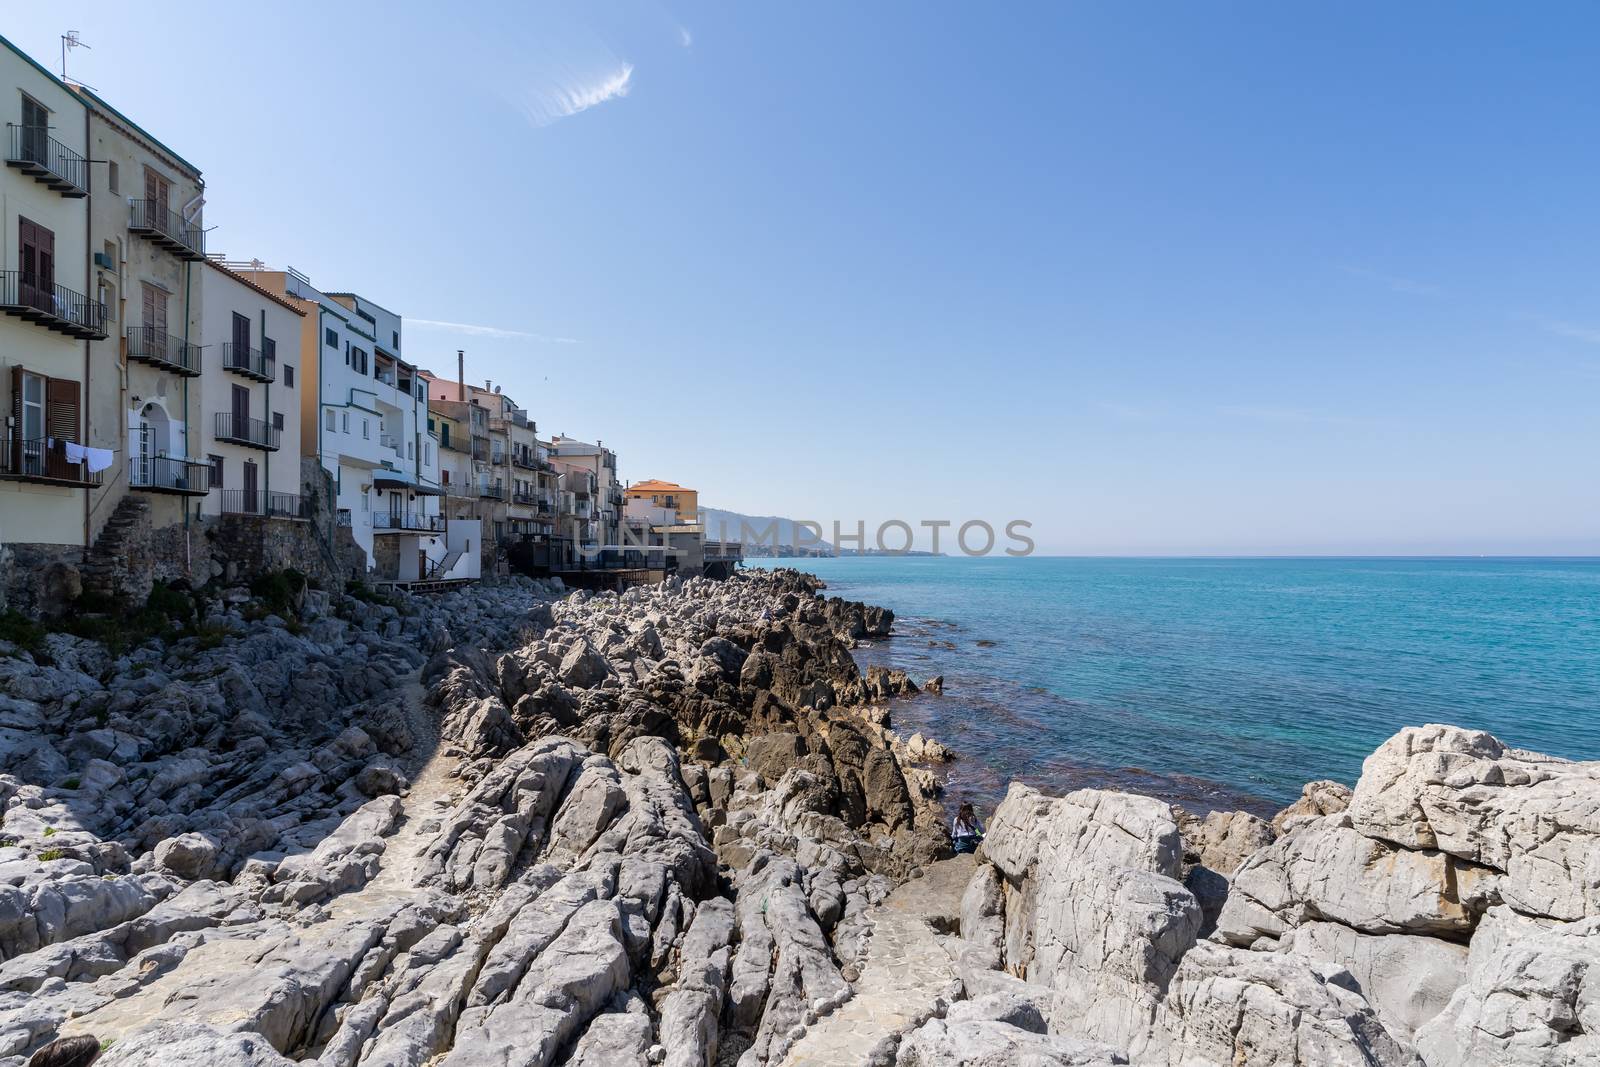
x=1227, y=682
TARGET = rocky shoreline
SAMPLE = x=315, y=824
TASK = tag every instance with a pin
x=513, y=826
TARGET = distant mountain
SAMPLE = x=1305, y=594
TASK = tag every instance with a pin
x=734, y=526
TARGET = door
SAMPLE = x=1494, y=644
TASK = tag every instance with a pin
x=157, y=198
x=154, y=333
x=422, y=564
x=241, y=341
x=35, y=130
x=241, y=412
x=252, y=503
x=37, y=254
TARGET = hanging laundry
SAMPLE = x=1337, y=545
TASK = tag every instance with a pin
x=99, y=459
x=76, y=453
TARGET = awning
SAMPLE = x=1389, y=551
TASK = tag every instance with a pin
x=389, y=478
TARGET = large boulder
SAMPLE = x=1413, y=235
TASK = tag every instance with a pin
x=1230, y=1007
x=1325, y=869
x=1407, y=979
x=1093, y=906
x=1464, y=793
x=1531, y=997
x=1317, y=798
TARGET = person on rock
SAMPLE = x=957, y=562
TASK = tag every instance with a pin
x=966, y=832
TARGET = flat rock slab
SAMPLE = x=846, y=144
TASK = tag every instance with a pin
x=907, y=971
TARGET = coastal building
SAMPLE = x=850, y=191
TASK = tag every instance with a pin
x=654, y=496
x=147, y=243
x=607, y=494
x=53, y=453
x=363, y=412
x=250, y=385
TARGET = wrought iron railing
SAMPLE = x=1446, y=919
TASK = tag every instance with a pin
x=251, y=362
x=153, y=345
x=35, y=151
x=268, y=505
x=153, y=218
x=44, y=459
x=173, y=474
x=406, y=520
x=492, y=492
x=242, y=430
x=38, y=298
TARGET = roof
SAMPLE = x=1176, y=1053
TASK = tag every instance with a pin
x=655, y=485
x=268, y=293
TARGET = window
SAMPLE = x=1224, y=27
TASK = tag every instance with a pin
x=366, y=429
x=411, y=450
x=45, y=409
x=277, y=420
x=216, y=471
x=157, y=191
x=397, y=340
x=364, y=502
x=346, y=422
x=269, y=350
x=288, y=376
x=330, y=423
x=111, y=178
x=330, y=337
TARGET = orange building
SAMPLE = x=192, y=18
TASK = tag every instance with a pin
x=670, y=496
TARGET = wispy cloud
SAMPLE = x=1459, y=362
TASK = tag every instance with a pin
x=469, y=329
x=685, y=38
x=1567, y=329
x=1395, y=283
x=571, y=92
x=1275, y=413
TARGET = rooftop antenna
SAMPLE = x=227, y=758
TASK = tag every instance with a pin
x=69, y=41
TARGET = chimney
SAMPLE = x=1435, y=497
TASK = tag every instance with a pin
x=461, y=376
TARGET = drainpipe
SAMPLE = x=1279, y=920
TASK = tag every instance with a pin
x=88, y=271
x=266, y=389
x=188, y=440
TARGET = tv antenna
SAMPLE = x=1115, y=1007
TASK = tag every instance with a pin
x=69, y=41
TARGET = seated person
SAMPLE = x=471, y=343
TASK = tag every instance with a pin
x=966, y=832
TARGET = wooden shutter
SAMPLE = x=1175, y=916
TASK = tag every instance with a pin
x=61, y=409
x=15, y=456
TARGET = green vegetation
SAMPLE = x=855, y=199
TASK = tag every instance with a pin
x=49, y=831
x=279, y=591
x=51, y=854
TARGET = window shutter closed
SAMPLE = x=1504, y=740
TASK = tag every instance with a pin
x=61, y=409
x=15, y=456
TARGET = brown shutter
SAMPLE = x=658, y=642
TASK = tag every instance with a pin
x=14, y=458
x=61, y=409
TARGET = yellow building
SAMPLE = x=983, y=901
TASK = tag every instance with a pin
x=669, y=496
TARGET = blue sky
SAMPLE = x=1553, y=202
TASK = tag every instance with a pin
x=1178, y=278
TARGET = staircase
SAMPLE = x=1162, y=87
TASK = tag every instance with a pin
x=445, y=565
x=105, y=564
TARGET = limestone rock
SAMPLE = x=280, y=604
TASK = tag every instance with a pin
x=1316, y=799
x=1408, y=980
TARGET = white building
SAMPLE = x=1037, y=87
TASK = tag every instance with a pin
x=250, y=385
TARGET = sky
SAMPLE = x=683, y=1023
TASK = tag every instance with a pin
x=1255, y=278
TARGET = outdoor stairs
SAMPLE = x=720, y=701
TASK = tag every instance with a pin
x=447, y=564
x=106, y=560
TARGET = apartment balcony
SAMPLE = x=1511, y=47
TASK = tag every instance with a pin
x=47, y=161
x=252, y=433
x=455, y=445
x=55, y=307
x=250, y=362
x=44, y=460
x=524, y=496
x=492, y=492
x=480, y=449
x=264, y=505
x=389, y=522
x=169, y=474
x=152, y=220
x=157, y=347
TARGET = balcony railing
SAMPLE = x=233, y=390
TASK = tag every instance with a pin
x=157, y=347
x=492, y=492
x=55, y=307
x=267, y=505
x=169, y=474
x=47, y=160
x=524, y=496
x=454, y=444
x=151, y=219
x=43, y=459
x=403, y=521
x=480, y=449
x=252, y=433
x=250, y=362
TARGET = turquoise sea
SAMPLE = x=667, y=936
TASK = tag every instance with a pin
x=1227, y=682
